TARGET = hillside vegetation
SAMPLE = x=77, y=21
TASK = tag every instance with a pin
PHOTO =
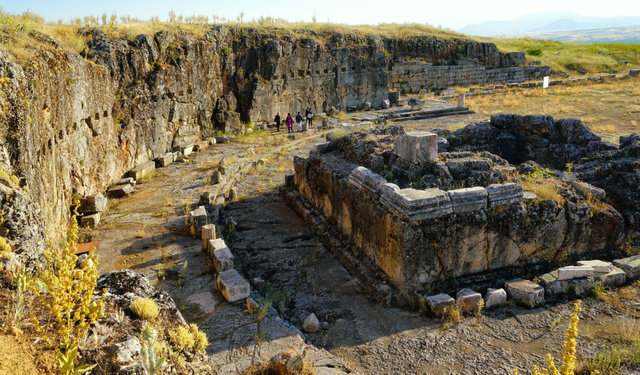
x=574, y=57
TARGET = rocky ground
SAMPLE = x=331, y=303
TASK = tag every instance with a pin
x=288, y=265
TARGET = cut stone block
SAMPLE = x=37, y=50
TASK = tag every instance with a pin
x=630, y=266
x=119, y=191
x=574, y=272
x=197, y=219
x=322, y=147
x=187, y=149
x=311, y=324
x=588, y=190
x=417, y=147
x=525, y=293
x=142, y=169
x=165, y=159
x=125, y=181
x=208, y=233
x=417, y=204
x=469, y=199
x=385, y=104
x=495, y=298
x=393, y=96
x=217, y=178
x=468, y=299
x=439, y=304
x=220, y=255
x=504, y=194
x=416, y=104
x=233, y=286
x=598, y=266
x=93, y=203
x=200, y=146
x=575, y=287
x=616, y=277
x=90, y=221
x=366, y=180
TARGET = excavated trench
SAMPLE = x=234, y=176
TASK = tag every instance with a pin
x=288, y=265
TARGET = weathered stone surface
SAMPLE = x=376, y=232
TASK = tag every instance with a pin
x=588, y=190
x=128, y=351
x=573, y=287
x=217, y=177
x=525, y=293
x=233, y=286
x=598, y=266
x=165, y=160
x=416, y=104
x=468, y=299
x=439, y=304
x=468, y=199
x=366, y=106
x=385, y=104
x=126, y=181
x=630, y=266
x=198, y=219
x=208, y=233
x=322, y=147
x=120, y=191
x=574, y=272
x=417, y=147
x=616, y=277
x=504, y=194
x=311, y=323
x=495, y=298
x=90, y=221
x=366, y=180
x=418, y=204
x=220, y=255
x=142, y=169
x=93, y=203
x=252, y=305
x=200, y=146
x=393, y=97
x=187, y=150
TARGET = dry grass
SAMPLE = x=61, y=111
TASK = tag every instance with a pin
x=608, y=109
x=543, y=188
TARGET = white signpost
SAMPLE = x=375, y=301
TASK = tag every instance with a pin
x=545, y=82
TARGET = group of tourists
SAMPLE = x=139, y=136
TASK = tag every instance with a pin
x=308, y=117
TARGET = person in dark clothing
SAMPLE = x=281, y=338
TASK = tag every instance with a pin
x=289, y=122
x=277, y=120
x=309, y=118
x=299, y=121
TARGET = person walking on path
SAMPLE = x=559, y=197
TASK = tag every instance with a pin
x=277, y=120
x=299, y=121
x=309, y=117
x=289, y=121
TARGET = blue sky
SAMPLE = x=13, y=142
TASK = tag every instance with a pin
x=454, y=14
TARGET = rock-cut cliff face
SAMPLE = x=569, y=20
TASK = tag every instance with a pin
x=72, y=124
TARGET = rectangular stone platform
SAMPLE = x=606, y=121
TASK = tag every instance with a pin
x=504, y=194
x=418, y=204
x=366, y=180
x=469, y=199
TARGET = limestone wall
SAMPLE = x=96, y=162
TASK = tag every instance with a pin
x=411, y=77
x=465, y=233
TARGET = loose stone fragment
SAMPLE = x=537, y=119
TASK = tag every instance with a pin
x=252, y=305
x=385, y=104
x=494, y=298
x=439, y=304
x=208, y=233
x=125, y=181
x=525, y=293
x=616, y=277
x=93, y=203
x=417, y=147
x=90, y=221
x=468, y=299
x=142, y=169
x=119, y=191
x=217, y=177
x=311, y=324
x=598, y=266
x=220, y=255
x=630, y=266
x=233, y=286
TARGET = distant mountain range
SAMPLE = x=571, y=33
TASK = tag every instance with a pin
x=627, y=34
x=548, y=23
